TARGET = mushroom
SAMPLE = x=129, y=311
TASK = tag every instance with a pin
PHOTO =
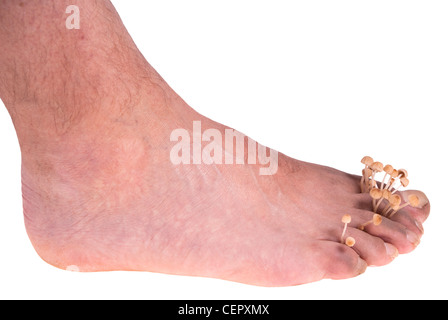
x=404, y=182
x=376, y=220
x=350, y=241
x=385, y=195
x=394, y=202
x=388, y=169
x=367, y=161
x=402, y=173
x=376, y=168
x=376, y=194
x=413, y=201
x=346, y=219
x=391, y=183
x=393, y=176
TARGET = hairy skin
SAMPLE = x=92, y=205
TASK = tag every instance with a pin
x=94, y=119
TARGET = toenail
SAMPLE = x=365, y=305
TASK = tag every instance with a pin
x=419, y=226
x=361, y=266
x=423, y=199
x=412, y=238
x=391, y=250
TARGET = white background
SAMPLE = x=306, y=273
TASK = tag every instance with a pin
x=322, y=81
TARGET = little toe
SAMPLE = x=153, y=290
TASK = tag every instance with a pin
x=338, y=261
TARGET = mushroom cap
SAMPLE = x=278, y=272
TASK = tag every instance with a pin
x=394, y=173
x=403, y=173
x=367, y=172
x=347, y=218
x=404, y=182
x=388, y=169
x=377, y=166
x=377, y=219
x=414, y=201
x=386, y=194
x=367, y=160
x=376, y=193
x=350, y=241
x=395, y=200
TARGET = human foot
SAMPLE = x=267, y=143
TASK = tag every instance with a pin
x=101, y=192
x=107, y=205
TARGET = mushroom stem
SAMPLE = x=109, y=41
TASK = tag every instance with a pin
x=373, y=183
x=376, y=194
x=375, y=207
x=386, y=212
x=391, y=184
x=382, y=182
x=394, y=201
x=388, y=169
x=413, y=201
x=376, y=220
x=404, y=182
x=385, y=195
x=346, y=219
x=376, y=167
x=363, y=180
x=392, y=210
x=367, y=161
x=393, y=176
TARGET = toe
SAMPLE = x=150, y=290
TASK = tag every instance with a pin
x=338, y=261
x=374, y=250
x=422, y=212
x=408, y=220
x=404, y=236
x=313, y=261
x=403, y=230
x=363, y=201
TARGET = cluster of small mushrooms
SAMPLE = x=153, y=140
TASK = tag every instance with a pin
x=385, y=201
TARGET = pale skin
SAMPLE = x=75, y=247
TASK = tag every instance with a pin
x=93, y=120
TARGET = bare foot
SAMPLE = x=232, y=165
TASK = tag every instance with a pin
x=101, y=192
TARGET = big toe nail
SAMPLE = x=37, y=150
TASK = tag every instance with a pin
x=423, y=199
x=421, y=212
